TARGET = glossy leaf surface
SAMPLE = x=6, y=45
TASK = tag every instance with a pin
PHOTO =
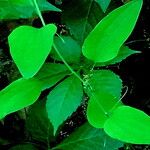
x=104, y=41
x=129, y=125
x=19, y=94
x=29, y=47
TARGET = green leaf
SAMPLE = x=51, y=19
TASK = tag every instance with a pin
x=80, y=24
x=19, y=94
x=105, y=80
x=103, y=4
x=29, y=47
x=129, y=125
x=37, y=122
x=63, y=100
x=123, y=53
x=99, y=107
x=69, y=49
x=86, y=138
x=105, y=40
x=20, y=2
x=51, y=73
x=15, y=9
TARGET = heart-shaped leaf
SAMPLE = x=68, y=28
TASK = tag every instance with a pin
x=129, y=125
x=19, y=94
x=29, y=47
x=105, y=40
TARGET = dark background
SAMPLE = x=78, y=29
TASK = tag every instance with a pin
x=134, y=71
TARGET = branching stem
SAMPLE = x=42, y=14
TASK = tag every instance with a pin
x=64, y=61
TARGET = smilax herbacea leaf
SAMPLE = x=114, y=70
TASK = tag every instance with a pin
x=129, y=125
x=19, y=94
x=29, y=47
x=104, y=41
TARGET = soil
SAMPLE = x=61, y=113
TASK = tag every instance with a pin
x=134, y=71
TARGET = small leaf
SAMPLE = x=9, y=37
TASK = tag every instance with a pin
x=99, y=107
x=105, y=40
x=50, y=74
x=63, y=100
x=86, y=138
x=29, y=47
x=105, y=80
x=19, y=94
x=129, y=125
x=103, y=4
x=124, y=52
x=69, y=49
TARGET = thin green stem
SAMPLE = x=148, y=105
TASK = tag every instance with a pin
x=64, y=61
x=43, y=22
x=39, y=12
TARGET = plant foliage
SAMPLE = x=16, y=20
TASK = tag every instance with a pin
x=94, y=38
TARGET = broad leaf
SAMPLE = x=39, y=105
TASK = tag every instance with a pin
x=123, y=53
x=129, y=125
x=99, y=107
x=19, y=94
x=105, y=80
x=29, y=47
x=37, y=122
x=63, y=100
x=104, y=41
x=80, y=24
x=86, y=138
x=15, y=9
x=51, y=73
x=69, y=49
x=103, y=4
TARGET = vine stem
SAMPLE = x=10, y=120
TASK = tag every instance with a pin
x=61, y=57
x=57, y=51
x=72, y=71
x=39, y=12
